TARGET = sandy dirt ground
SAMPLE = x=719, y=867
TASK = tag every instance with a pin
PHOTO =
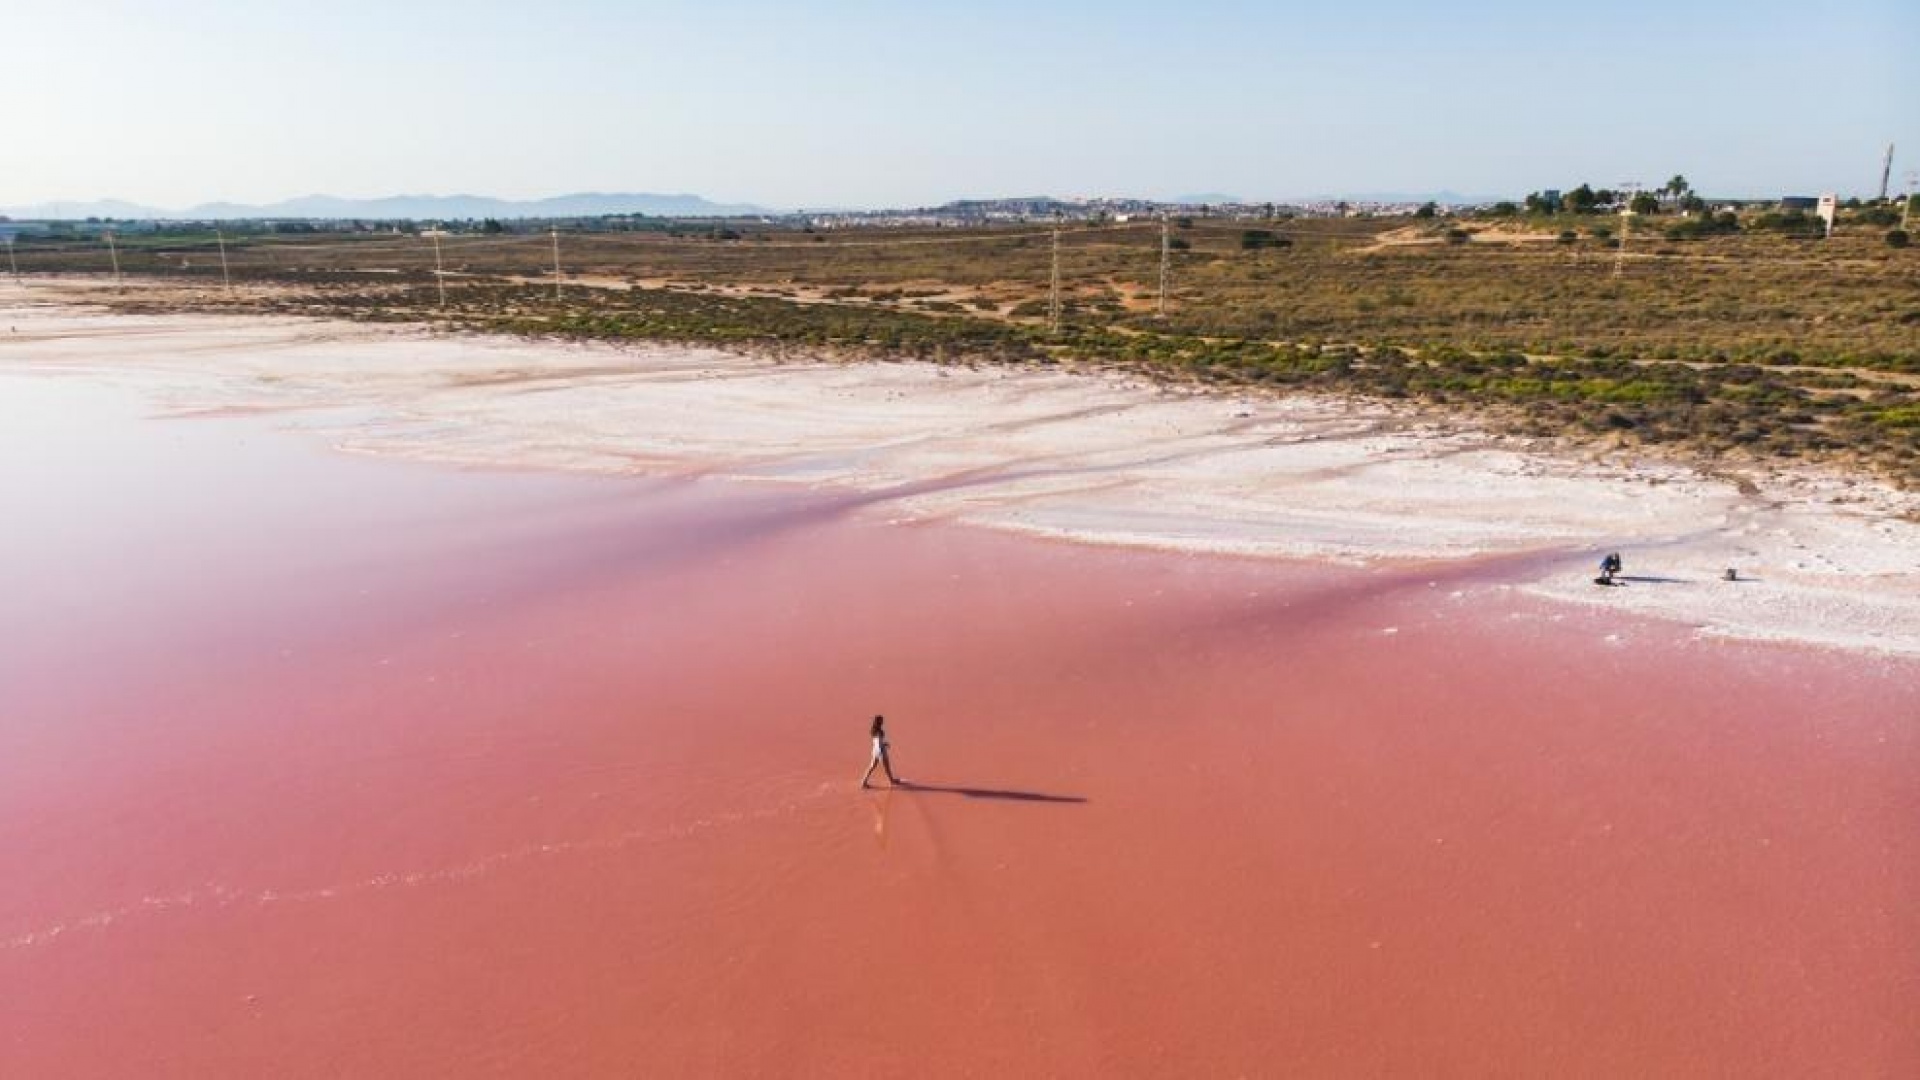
x=1094, y=457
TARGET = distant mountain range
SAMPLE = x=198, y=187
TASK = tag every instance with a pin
x=401, y=207
x=593, y=204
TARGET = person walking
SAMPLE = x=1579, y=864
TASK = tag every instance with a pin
x=881, y=757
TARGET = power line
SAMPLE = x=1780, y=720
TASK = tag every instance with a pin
x=1053, y=287
x=226, y=275
x=644, y=239
x=403, y=255
x=439, y=271
x=1631, y=188
x=294, y=246
x=1166, y=257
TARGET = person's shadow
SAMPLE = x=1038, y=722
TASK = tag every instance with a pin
x=987, y=793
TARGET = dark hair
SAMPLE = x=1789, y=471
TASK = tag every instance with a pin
x=877, y=721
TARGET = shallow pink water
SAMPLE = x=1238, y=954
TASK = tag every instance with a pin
x=312, y=765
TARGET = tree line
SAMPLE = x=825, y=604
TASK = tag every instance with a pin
x=1676, y=194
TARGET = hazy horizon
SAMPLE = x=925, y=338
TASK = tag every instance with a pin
x=468, y=204
x=859, y=105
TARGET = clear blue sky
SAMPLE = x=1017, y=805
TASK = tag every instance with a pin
x=868, y=103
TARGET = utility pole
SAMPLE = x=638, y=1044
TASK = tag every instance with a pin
x=1166, y=258
x=1053, y=288
x=1629, y=189
x=114, y=253
x=556, y=263
x=1886, y=172
x=1906, y=208
x=439, y=273
x=226, y=275
x=13, y=261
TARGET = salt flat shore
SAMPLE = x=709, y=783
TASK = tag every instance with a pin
x=1091, y=456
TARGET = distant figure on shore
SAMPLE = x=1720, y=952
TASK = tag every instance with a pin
x=1609, y=568
x=881, y=757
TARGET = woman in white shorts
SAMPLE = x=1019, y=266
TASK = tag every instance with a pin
x=880, y=755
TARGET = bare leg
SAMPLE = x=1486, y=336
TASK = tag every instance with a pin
x=869, y=775
x=886, y=759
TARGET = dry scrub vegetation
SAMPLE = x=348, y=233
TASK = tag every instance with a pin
x=1753, y=346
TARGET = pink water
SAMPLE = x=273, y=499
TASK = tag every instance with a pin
x=316, y=765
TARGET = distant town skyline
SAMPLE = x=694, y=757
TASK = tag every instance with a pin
x=862, y=104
